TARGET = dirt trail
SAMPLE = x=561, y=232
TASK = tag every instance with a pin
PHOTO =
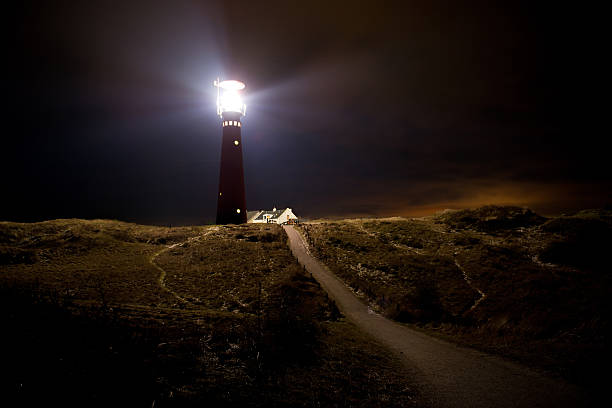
x=469, y=282
x=445, y=374
x=162, y=273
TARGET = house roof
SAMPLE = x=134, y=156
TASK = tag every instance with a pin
x=252, y=214
x=273, y=214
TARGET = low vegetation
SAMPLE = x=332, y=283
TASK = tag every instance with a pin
x=102, y=313
x=502, y=279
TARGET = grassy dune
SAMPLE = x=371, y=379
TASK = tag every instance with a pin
x=109, y=313
x=502, y=279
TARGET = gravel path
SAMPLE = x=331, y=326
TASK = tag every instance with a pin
x=446, y=375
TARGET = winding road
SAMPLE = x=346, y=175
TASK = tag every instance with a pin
x=445, y=374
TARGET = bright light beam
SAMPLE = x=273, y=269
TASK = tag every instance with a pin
x=228, y=96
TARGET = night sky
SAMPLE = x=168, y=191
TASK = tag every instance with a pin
x=374, y=108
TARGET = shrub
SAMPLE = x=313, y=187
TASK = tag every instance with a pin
x=492, y=218
x=13, y=256
x=583, y=242
x=422, y=305
x=269, y=237
x=291, y=324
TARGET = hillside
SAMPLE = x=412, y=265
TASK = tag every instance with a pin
x=102, y=313
x=501, y=279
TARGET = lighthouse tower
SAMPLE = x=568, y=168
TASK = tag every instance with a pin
x=231, y=200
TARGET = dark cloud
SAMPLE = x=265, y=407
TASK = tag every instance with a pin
x=353, y=107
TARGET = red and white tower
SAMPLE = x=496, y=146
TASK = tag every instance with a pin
x=231, y=201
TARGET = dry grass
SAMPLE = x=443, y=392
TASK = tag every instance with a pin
x=234, y=321
x=96, y=260
x=546, y=282
x=397, y=265
x=229, y=274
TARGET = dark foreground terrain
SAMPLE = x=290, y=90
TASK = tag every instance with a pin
x=105, y=313
x=448, y=376
x=101, y=313
x=501, y=279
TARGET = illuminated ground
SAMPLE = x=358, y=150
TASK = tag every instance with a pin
x=447, y=375
x=109, y=313
x=500, y=279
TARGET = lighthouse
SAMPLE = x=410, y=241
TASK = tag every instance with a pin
x=231, y=199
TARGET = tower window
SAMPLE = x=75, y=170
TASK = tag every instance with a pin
x=239, y=124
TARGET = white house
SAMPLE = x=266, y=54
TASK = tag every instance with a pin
x=283, y=216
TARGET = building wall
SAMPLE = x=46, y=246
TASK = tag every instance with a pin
x=284, y=217
x=231, y=198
